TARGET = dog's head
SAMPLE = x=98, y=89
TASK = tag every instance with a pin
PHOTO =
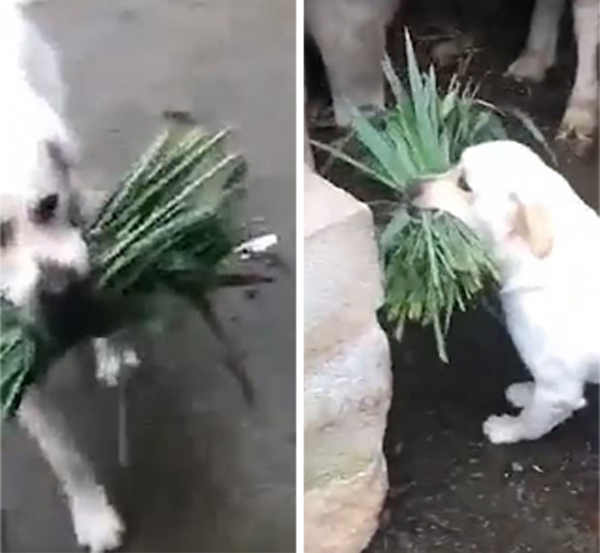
x=499, y=189
x=42, y=251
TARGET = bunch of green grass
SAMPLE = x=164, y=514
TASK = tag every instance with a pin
x=18, y=351
x=433, y=263
x=168, y=227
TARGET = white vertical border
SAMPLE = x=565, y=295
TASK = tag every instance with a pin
x=300, y=121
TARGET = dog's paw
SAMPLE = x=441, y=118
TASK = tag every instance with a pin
x=98, y=527
x=502, y=429
x=578, y=126
x=531, y=66
x=520, y=394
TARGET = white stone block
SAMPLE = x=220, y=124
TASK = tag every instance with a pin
x=346, y=399
x=347, y=387
x=343, y=288
x=342, y=516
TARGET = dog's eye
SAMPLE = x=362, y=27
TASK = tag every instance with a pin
x=7, y=233
x=463, y=184
x=45, y=210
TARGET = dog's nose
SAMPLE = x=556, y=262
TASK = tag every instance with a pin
x=56, y=280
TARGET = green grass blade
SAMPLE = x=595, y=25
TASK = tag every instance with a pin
x=381, y=149
x=362, y=167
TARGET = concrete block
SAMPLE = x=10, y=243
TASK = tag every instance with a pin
x=341, y=266
x=347, y=388
x=346, y=399
x=342, y=516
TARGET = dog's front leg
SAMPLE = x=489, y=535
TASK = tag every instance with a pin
x=97, y=525
x=540, y=52
x=581, y=116
x=547, y=407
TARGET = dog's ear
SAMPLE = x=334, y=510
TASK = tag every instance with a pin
x=532, y=223
x=59, y=155
x=59, y=144
x=62, y=151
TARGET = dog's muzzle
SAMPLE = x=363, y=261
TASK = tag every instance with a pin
x=415, y=190
x=62, y=299
x=56, y=281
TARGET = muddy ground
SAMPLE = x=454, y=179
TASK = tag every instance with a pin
x=450, y=490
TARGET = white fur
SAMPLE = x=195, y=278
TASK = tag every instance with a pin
x=30, y=123
x=551, y=302
x=30, y=104
x=96, y=524
x=581, y=116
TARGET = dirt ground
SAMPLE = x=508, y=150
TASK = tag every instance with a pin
x=450, y=490
x=206, y=472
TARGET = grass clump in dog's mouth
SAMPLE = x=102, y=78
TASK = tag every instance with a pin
x=433, y=263
x=168, y=228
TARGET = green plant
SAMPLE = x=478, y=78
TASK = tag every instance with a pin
x=168, y=228
x=433, y=263
x=167, y=225
x=18, y=351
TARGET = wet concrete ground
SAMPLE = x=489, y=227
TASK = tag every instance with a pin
x=207, y=472
x=450, y=490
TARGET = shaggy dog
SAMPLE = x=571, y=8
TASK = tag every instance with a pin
x=43, y=256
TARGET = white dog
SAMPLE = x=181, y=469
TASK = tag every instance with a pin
x=547, y=244
x=42, y=252
x=581, y=116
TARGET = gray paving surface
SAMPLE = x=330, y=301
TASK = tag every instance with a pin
x=207, y=473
